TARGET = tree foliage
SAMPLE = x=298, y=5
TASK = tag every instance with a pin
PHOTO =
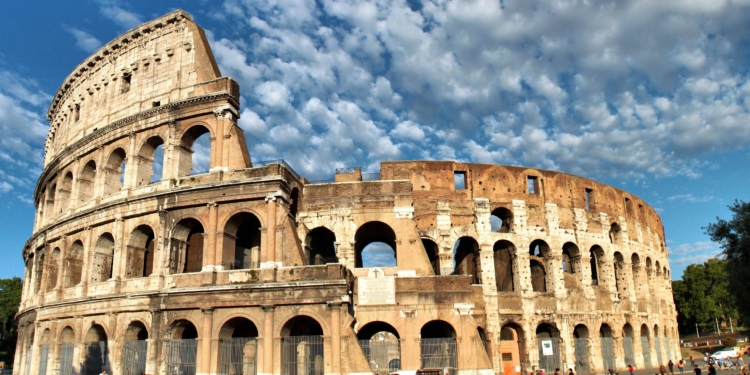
x=10, y=298
x=733, y=236
x=702, y=296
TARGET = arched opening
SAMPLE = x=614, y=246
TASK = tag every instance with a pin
x=627, y=344
x=380, y=344
x=294, y=203
x=44, y=351
x=114, y=173
x=194, y=153
x=186, y=247
x=375, y=245
x=73, y=265
x=141, y=252
x=438, y=345
x=302, y=347
x=67, y=348
x=134, y=349
x=512, y=348
x=39, y=272
x=150, y=162
x=607, y=344
x=596, y=259
x=238, y=347
x=66, y=186
x=320, y=245
x=547, y=337
x=242, y=242
x=615, y=233
x=86, y=182
x=503, y=253
x=621, y=283
x=49, y=206
x=433, y=254
x=645, y=349
x=467, y=260
x=657, y=345
x=97, y=355
x=182, y=348
x=52, y=269
x=571, y=262
x=101, y=265
x=539, y=252
x=501, y=220
x=582, y=346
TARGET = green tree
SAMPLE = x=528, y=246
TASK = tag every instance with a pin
x=702, y=296
x=733, y=236
x=10, y=298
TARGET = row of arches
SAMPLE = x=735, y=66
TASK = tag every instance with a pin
x=147, y=166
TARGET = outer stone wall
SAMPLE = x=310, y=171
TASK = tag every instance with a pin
x=483, y=264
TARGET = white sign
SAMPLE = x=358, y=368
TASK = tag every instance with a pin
x=547, y=347
x=376, y=288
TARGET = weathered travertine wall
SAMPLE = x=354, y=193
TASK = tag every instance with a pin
x=483, y=264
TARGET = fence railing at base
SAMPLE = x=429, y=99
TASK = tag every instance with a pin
x=134, y=357
x=302, y=355
x=582, y=358
x=383, y=356
x=238, y=356
x=66, y=358
x=438, y=353
x=96, y=358
x=43, y=355
x=646, y=352
x=181, y=356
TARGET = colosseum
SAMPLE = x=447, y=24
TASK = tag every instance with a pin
x=142, y=263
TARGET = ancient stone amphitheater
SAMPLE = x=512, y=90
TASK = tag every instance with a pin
x=140, y=263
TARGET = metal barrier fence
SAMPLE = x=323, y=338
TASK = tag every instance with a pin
x=657, y=345
x=238, y=356
x=549, y=359
x=181, y=356
x=43, y=355
x=627, y=347
x=96, y=358
x=609, y=361
x=134, y=357
x=66, y=358
x=646, y=352
x=383, y=356
x=438, y=352
x=302, y=355
x=29, y=354
x=582, y=364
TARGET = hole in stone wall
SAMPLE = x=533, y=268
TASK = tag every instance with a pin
x=459, y=180
x=532, y=184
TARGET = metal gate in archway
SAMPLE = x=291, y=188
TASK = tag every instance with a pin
x=43, y=355
x=549, y=354
x=134, y=357
x=96, y=358
x=668, y=344
x=627, y=347
x=609, y=360
x=582, y=364
x=657, y=344
x=438, y=352
x=302, y=355
x=181, y=356
x=28, y=359
x=646, y=352
x=66, y=358
x=238, y=355
x=383, y=356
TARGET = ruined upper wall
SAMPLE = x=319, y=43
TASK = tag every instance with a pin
x=149, y=66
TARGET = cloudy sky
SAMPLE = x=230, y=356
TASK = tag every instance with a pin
x=649, y=96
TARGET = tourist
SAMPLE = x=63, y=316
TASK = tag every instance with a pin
x=662, y=369
x=570, y=372
x=711, y=369
x=557, y=371
x=610, y=371
x=696, y=370
x=692, y=361
x=681, y=366
x=671, y=367
x=630, y=369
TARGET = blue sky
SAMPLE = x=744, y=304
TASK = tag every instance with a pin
x=648, y=96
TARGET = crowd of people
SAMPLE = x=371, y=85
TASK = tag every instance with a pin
x=710, y=365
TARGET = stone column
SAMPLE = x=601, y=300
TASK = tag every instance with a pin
x=120, y=256
x=154, y=343
x=266, y=365
x=335, y=337
x=205, y=342
x=210, y=252
x=268, y=257
x=218, y=161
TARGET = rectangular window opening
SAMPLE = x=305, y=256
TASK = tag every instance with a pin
x=77, y=112
x=459, y=180
x=628, y=206
x=156, y=104
x=589, y=196
x=533, y=184
x=125, y=86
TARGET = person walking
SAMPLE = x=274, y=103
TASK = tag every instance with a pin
x=557, y=371
x=681, y=366
x=630, y=369
x=692, y=362
x=662, y=369
x=696, y=370
x=671, y=367
x=570, y=372
x=711, y=369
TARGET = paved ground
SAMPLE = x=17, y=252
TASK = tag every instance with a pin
x=688, y=370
